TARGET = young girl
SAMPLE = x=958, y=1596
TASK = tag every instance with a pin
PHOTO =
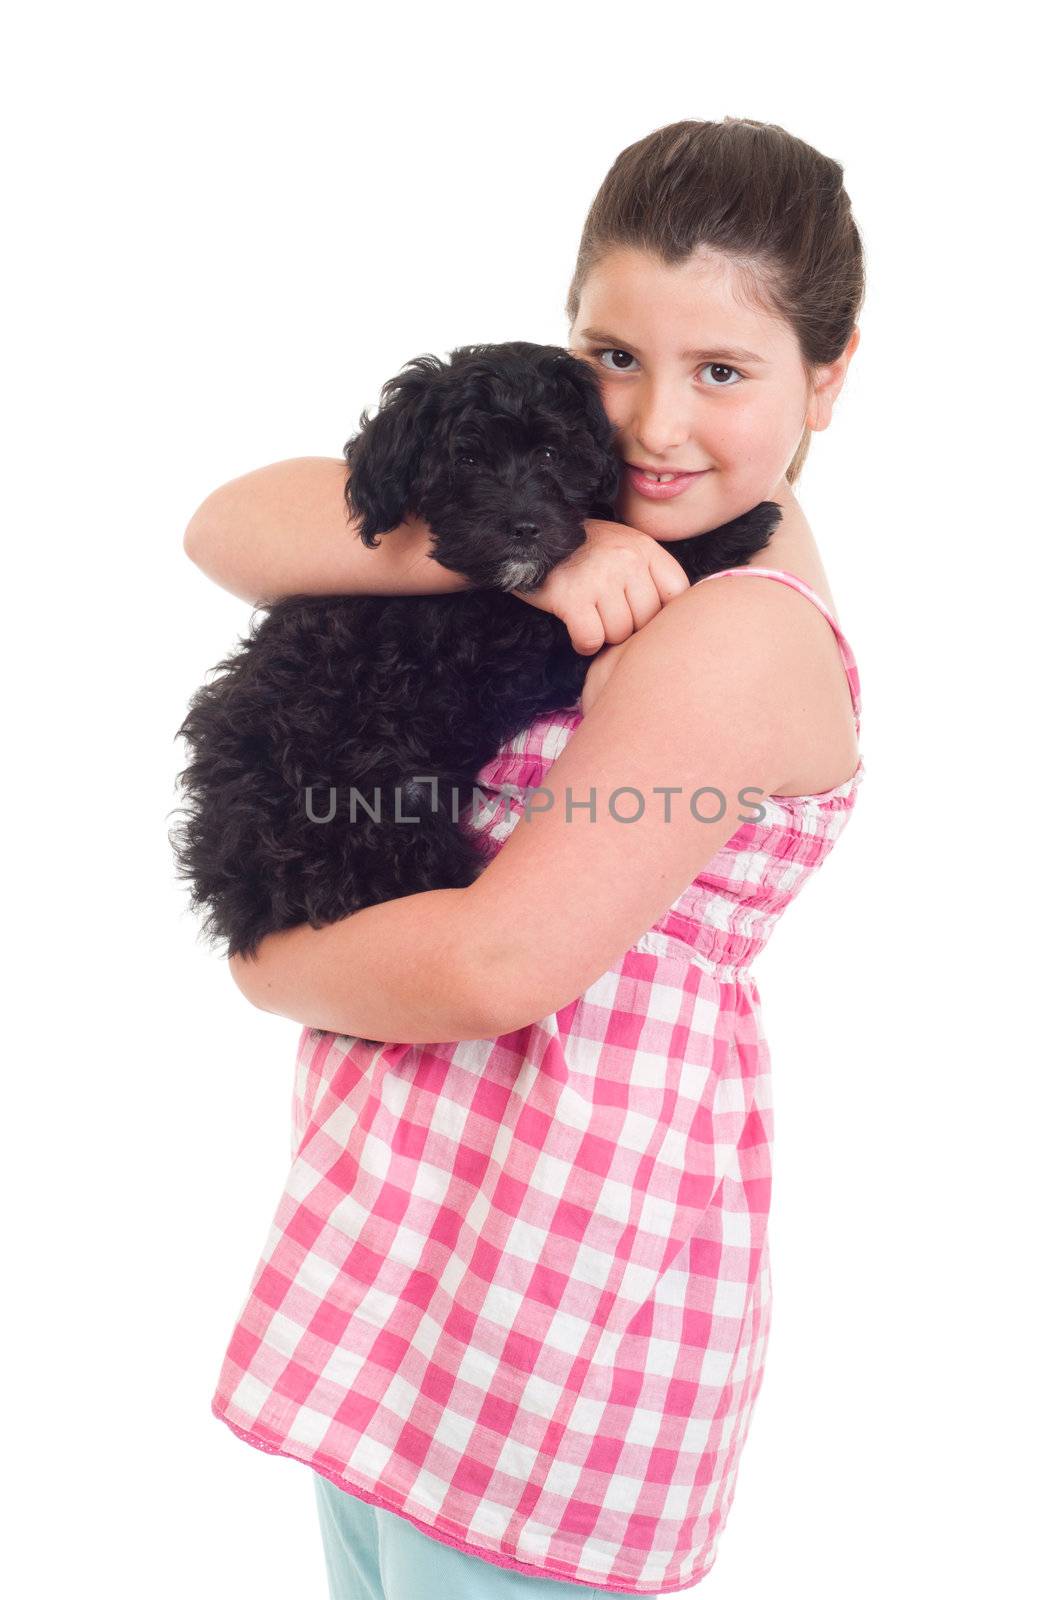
x=514, y=1302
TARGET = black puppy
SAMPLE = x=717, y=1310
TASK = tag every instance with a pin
x=334, y=752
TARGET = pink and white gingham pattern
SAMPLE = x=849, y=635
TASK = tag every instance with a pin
x=517, y=1290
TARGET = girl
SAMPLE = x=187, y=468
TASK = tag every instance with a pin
x=514, y=1302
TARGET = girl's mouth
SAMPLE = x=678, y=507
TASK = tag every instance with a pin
x=652, y=489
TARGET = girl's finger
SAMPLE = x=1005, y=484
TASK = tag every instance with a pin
x=619, y=619
x=668, y=576
x=586, y=630
x=644, y=598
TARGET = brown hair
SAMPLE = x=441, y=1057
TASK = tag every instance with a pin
x=771, y=203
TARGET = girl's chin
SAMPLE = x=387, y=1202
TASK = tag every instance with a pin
x=663, y=521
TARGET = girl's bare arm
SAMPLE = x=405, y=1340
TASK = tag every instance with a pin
x=285, y=529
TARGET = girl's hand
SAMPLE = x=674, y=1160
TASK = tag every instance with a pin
x=610, y=587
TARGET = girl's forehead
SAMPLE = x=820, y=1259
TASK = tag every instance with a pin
x=665, y=311
x=708, y=277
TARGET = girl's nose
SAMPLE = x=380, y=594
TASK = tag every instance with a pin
x=657, y=422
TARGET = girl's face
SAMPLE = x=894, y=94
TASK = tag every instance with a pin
x=696, y=380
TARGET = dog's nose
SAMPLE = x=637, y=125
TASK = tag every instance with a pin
x=526, y=530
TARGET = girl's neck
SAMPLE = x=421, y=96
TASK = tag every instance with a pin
x=793, y=548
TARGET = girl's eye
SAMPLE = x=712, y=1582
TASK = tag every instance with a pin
x=604, y=352
x=718, y=366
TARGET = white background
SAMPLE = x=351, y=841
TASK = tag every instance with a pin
x=227, y=226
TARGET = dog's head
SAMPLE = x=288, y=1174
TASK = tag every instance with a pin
x=504, y=453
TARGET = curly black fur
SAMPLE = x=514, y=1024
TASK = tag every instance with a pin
x=504, y=453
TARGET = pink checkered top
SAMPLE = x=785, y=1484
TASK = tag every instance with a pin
x=517, y=1290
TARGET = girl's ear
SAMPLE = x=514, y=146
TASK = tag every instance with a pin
x=384, y=458
x=826, y=386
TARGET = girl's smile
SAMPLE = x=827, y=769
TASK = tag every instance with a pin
x=652, y=487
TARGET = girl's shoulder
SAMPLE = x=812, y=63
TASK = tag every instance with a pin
x=759, y=604
x=779, y=621
x=812, y=653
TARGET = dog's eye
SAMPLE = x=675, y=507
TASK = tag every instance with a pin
x=549, y=452
x=466, y=461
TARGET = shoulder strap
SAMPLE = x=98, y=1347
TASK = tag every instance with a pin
x=791, y=578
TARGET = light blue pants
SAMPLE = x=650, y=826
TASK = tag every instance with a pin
x=372, y=1554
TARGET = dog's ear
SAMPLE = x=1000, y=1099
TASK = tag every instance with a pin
x=580, y=385
x=384, y=457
